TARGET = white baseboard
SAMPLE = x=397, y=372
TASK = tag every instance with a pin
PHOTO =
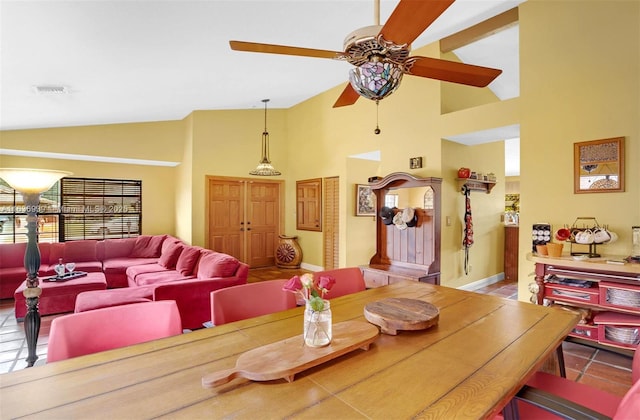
x=471, y=287
x=311, y=267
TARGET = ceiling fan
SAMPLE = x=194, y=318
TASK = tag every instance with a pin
x=381, y=57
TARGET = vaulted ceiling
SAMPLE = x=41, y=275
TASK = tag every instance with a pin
x=146, y=60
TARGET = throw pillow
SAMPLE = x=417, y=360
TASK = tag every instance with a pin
x=216, y=264
x=147, y=246
x=187, y=260
x=170, y=255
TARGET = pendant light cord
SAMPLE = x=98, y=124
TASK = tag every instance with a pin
x=265, y=115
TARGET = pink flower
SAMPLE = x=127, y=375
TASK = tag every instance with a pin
x=325, y=283
x=308, y=287
x=293, y=285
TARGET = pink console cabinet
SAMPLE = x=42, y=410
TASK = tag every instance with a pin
x=606, y=294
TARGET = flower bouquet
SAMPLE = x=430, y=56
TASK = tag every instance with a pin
x=317, y=314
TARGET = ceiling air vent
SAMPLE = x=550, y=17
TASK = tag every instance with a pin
x=51, y=90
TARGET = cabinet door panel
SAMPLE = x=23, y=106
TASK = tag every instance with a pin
x=309, y=204
x=226, y=215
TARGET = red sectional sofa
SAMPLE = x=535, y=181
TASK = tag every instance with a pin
x=195, y=274
x=158, y=267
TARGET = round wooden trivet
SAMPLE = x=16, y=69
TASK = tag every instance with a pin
x=393, y=314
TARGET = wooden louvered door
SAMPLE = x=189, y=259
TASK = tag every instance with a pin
x=244, y=219
x=331, y=222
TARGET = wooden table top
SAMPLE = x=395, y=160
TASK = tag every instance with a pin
x=596, y=263
x=468, y=366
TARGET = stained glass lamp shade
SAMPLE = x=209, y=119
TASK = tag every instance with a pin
x=376, y=79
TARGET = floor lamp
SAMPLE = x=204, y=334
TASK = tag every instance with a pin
x=31, y=183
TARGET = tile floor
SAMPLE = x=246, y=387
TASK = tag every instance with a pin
x=598, y=368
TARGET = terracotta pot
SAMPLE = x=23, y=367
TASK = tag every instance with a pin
x=554, y=250
x=541, y=249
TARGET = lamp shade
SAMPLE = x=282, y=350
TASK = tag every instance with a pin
x=376, y=79
x=31, y=181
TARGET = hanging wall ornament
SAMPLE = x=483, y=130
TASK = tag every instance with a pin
x=467, y=240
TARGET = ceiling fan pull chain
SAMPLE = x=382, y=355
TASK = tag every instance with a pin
x=377, y=130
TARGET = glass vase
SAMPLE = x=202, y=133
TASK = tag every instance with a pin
x=317, y=326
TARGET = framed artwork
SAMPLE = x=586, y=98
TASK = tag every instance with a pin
x=365, y=201
x=415, y=163
x=598, y=166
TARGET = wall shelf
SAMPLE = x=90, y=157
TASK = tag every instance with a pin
x=476, y=185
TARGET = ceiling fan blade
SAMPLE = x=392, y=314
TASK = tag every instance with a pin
x=410, y=18
x=283, y=49
x=451, y=71
x=348, y=97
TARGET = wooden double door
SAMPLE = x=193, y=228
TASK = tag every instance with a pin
x=244, y=217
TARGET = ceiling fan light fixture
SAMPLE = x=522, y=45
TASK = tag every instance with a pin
x=376, y=80
x=265, y=168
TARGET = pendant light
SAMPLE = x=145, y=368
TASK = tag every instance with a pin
x=265, y=168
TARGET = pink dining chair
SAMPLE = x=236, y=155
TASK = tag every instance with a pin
x=548, y=396
x=113, y=327
x=249, y=300
x=348, y=280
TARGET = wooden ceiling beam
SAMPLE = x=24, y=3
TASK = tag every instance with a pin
x=482, y=30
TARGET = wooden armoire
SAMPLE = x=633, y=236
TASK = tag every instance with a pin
x=411, y=253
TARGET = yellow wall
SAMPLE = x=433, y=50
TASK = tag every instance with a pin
x=228, y=143
x=184, y=193
x=456, y=97
x=359, y=244
x=149, y=141
x=152, y=141
x=486, y=257
x=579, y=81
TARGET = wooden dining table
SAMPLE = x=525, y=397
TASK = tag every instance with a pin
x=468, y=366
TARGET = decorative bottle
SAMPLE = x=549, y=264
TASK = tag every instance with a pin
x=317, y=325
x=59, y=268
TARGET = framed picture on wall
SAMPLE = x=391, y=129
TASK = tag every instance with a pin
x=599, y=166
x=365, y=201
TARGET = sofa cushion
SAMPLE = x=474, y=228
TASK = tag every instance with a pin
x=165, y=276
x=170, y=254
x=115, y=248
x=73, y=251
x=96, y=299
x=12, y=255
x=134, y=271
x=216, y=264
x=147, y=246
x=120, y=265
x=187, y=260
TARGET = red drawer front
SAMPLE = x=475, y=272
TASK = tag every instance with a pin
x=571, y=294
x=588, y=332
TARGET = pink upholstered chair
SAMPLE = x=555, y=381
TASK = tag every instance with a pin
x=249, y=300
x=548, y=396
x=348, y=280
x=109, y=328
